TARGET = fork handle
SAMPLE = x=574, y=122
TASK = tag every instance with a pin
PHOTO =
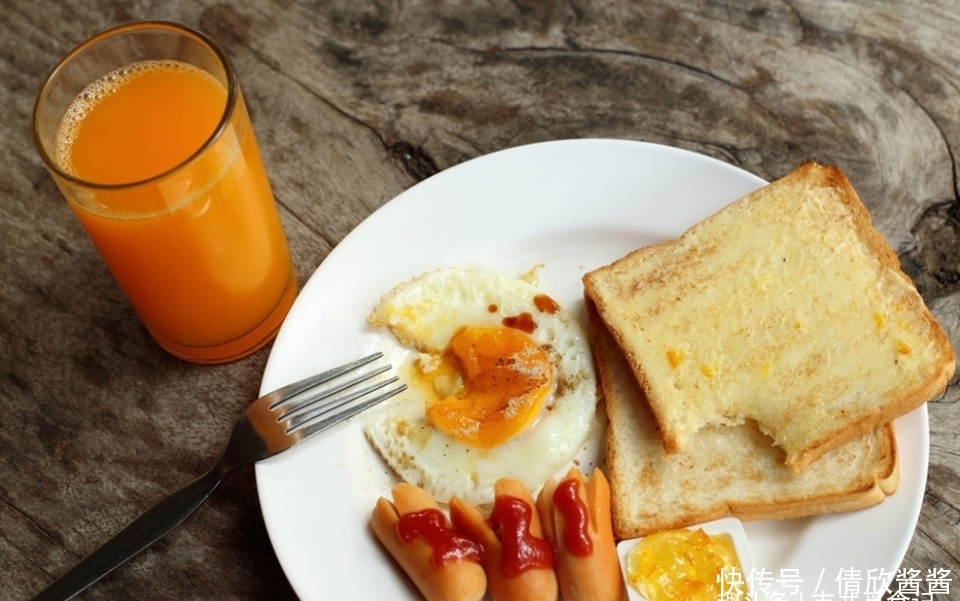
x=137, y=536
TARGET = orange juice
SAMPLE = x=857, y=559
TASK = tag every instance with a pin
x=185, y=219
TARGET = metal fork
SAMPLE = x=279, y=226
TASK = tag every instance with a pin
x=271, y=424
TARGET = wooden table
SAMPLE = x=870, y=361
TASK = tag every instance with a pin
x=354, y=102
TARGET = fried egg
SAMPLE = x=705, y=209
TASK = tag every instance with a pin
x=501, y=384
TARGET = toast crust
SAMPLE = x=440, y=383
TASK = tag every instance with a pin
x=786, y=303
x=726, y=470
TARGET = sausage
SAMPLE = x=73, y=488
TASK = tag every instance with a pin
x=587, y=570
x=457, y=576
x=509, y=578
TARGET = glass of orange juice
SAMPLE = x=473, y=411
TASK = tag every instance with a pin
x=145, y=132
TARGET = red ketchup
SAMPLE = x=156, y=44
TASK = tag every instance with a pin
x=545, y=304
x=523, y=322
x=522, y=551
x=576, y=536
x=449, y=546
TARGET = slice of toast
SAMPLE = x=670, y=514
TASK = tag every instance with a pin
x=785, y=308
x=724, y=470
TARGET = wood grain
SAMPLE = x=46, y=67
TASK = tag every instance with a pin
x=352, y=104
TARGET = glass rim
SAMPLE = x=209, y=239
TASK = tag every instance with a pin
x=232, y=95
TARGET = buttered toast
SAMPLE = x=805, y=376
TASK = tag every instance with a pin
x=785, y=309
x=724, y=470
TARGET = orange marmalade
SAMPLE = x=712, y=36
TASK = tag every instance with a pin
x=686, y=564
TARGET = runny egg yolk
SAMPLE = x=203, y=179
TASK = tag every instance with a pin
x=491, y=382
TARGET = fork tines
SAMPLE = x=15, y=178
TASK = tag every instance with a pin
x=320, y=401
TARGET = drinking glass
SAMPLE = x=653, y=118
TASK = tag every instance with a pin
x=145, y=131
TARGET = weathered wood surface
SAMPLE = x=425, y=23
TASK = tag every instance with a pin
x=355, y=101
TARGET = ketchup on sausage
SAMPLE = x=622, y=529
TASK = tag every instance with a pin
x=448, y=545
x=522, y=551
x=576, y=516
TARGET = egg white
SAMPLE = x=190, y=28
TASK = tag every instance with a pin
x=424, y=314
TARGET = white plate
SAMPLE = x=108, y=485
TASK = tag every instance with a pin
x=570, y=206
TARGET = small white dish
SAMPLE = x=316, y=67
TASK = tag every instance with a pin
x=730, y=526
